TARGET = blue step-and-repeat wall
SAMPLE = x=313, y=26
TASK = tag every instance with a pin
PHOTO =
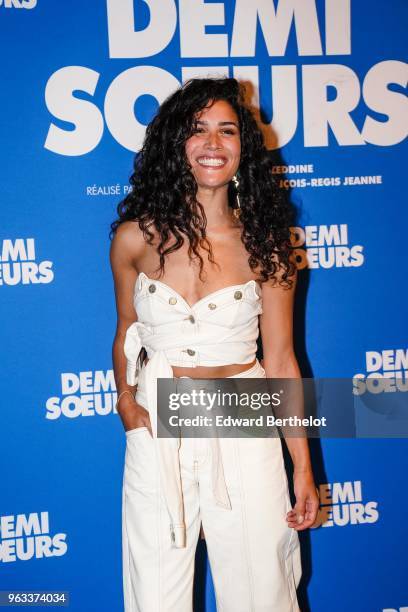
x=80, y=80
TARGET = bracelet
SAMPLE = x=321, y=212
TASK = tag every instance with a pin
x=120, y=395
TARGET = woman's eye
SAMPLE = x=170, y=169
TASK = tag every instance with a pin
x=226, y=131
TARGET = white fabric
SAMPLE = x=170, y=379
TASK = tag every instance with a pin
x=253, y=554
x=220, y=329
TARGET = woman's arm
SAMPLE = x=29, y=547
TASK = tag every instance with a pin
x=126, y=247
x=279, y=361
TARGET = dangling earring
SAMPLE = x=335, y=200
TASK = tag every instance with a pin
x=237, y=211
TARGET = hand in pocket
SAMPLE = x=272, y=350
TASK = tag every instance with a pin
x=133, y=415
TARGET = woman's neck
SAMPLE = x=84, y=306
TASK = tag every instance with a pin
x=215, y=204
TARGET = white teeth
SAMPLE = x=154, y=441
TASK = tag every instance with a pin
x=210, y=161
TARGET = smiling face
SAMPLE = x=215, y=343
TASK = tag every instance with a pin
x=214, y=149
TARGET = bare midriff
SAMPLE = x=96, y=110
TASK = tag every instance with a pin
x=211, y=372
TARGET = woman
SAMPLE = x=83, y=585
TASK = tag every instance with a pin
x=201, y=262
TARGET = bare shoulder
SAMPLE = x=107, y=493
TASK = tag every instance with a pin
x=128, y=244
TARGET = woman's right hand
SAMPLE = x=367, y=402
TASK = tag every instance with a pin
x=133, y=415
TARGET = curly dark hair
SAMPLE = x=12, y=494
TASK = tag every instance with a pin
x=164, y=190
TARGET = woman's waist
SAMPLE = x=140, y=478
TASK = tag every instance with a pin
x=211, y=371
x=254, y=370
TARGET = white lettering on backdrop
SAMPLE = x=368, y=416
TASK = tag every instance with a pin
x=330, y=92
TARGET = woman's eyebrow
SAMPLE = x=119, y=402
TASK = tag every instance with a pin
x=219, y=123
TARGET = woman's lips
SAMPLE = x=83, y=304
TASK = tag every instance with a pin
x=211, y=162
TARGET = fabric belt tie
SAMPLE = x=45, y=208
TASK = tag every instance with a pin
x=167, y=449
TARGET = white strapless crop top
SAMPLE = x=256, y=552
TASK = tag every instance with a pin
x=220, y=329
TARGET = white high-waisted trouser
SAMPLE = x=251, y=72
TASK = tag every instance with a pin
x=254, y=556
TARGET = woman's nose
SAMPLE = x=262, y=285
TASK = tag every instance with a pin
x=213, y=140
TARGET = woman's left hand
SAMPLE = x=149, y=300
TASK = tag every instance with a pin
x=304, y=513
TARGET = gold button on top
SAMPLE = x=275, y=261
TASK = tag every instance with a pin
x=152, y=288
x=238, y=295
x=212, y=305
x=191, y=319
x=173, y=300
x=190, y=352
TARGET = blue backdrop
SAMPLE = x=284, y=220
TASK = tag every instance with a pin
x=80, y=80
